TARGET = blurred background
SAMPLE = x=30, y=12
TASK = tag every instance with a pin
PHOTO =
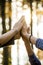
x=10, y=12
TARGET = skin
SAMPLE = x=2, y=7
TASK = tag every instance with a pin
x=25, y=37
x=33, y=40
x=26, y=33
x=12, y=33
x=16, y=31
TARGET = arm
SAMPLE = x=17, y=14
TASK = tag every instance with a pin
x=7, y=36
x=28, y=47
x=38, y=42
x=32, y=58
x=12, y=33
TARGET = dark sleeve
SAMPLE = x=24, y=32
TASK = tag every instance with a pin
x=39, y=43
x=34, y=60
x=10, y=42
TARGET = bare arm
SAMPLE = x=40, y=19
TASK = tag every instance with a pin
x=27, y=43
x=32, y=39
x=9, y=35
x=32, y=58
x=38, y=42
x=25, y=37
x=28, y=47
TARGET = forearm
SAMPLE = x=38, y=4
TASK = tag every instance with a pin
x=32, y=58
x=28, y=48
x=33, y=39
x=27, y=44
x=7, y=36
x=37, y=41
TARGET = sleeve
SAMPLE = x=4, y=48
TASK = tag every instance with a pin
x=10, y=42
x=34, y=60
x=39, y=43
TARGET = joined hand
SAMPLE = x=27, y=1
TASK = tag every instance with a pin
x=21, y=28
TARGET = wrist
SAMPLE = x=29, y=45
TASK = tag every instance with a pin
x=28, y=36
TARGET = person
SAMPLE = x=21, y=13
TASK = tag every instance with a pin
x=15, y=32
x=25, y=36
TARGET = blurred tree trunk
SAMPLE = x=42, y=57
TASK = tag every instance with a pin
x=6, y=50
x=3, y=16
x=31, y=18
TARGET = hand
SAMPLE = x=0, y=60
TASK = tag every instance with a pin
x=19, y=24
x=25, y=36
x=17, y=36
x=18, y=27
x=24, y=30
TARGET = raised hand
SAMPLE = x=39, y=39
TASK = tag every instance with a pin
x=18, y=26
x=24, y=29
